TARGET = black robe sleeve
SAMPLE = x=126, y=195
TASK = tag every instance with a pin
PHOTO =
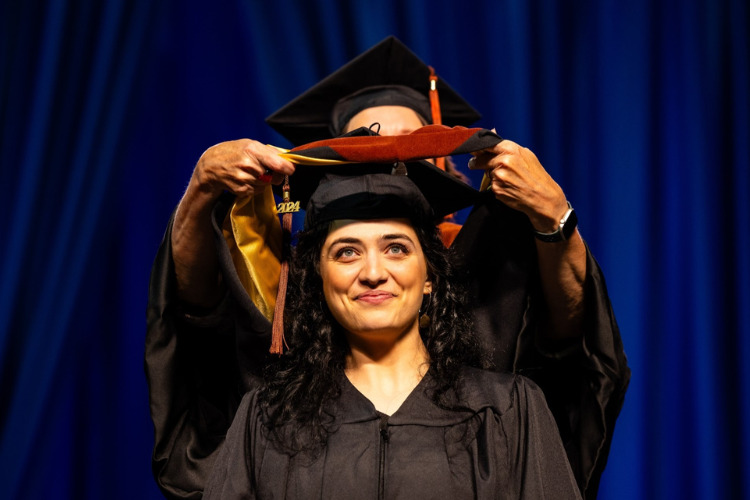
x=198, y=365
x=234, y=473
x=584, y=382
x=538, y=468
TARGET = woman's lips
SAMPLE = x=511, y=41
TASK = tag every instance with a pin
x=374, y=297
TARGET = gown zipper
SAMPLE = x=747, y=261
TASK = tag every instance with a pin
x=383, y=445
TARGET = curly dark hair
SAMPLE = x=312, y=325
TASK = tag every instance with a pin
x=308, y=375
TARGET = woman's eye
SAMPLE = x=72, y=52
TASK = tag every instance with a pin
x=346, y=253
x=397, y=250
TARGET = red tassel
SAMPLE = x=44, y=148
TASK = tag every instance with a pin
x=277, y=331
x=437, y=118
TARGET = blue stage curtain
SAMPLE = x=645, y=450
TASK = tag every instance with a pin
x=640, y=110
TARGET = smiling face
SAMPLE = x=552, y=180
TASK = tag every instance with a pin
x=374, y=276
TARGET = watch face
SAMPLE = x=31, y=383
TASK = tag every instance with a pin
x=570, y=224
x=567, y=225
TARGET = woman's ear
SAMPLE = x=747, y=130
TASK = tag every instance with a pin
x=427, y=287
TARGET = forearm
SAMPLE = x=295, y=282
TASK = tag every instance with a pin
x=562, y=269
x=244, y=168
x=195, y=260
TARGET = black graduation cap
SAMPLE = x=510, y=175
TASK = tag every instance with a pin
x=388, y=73
x=413, y=189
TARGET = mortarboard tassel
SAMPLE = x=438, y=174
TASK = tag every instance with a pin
x=437, y=118
x=277, y=331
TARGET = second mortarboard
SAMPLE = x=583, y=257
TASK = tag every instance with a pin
x=387, y=74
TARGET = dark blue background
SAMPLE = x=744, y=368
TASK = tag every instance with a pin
x=638, y=109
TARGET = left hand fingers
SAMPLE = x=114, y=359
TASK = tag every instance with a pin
x=491, y=161
x=482, y=159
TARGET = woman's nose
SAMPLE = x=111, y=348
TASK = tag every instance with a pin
x=373, y=270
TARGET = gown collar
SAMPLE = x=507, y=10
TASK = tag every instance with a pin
x=417, y=409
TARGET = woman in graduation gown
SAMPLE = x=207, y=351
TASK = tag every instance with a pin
x=380, y=392
x=200, y=360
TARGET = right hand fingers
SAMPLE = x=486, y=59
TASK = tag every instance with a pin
x=241, y=167
x=266, y=157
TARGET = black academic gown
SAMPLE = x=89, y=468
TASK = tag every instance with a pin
x=200, y=363
x=585, y=380
x=507, y=446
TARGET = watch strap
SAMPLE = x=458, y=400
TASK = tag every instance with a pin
x=567, y=225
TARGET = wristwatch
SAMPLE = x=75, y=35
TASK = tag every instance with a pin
x=567, y=225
